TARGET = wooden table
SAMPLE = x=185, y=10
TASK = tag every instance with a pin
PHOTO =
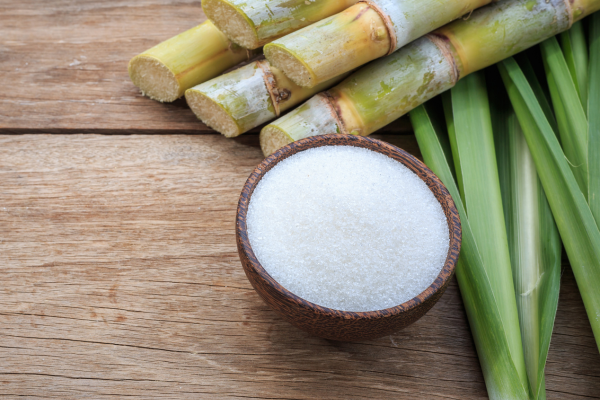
x=120, y=275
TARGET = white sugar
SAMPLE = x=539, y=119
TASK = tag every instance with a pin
x=347, y=228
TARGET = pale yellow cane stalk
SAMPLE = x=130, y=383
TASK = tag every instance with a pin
x=167, y=70
x=242, y=99
x=362, y=33
x=253, y=23
x=390, y=87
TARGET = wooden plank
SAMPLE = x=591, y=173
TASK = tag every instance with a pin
x=64, y=65
x=121, y=278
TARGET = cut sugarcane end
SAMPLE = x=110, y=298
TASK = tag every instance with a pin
x=272, y=139
x=154, y=79
x=296, y=70
x=212, y=114
x=232, y=22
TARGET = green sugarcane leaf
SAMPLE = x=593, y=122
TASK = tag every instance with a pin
x=571, y=118
x=540, y=94
x=565, y=42
x=562, y=122
x=581, y=58
x=594, y=118
x=488, y=329
x=474, y=155
x=447, y=102
x=576, y=56
x=578, y=230
x=534, y=243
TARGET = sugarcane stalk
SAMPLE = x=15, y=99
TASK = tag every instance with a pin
x=390, y=87
x=356, y=105
x=583, y=8
x=360, y=34
x=244, y=98
x=253, y=23
x=167, y=70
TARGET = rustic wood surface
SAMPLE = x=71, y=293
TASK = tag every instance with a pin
x=121, y=277
x=120, y=274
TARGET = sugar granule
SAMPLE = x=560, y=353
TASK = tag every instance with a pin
x=347, y=228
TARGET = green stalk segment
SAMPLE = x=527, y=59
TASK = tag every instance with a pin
x=534, y=243
x=479, y=291
x=503, y=29
x=167, y=70
x=372, y=97
x=576, y=224
x=360, y=34
x=313, y=116
x=332, y=46
x=424, y=71
x=390, y=87
x=244, y=98
x=254, y=23
x=583, y=8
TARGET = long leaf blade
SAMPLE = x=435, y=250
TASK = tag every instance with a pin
x=570, y=115
x=501, y=376
x=578, y=230
x=567, y=46
x=576, y=55
x=534, y=243
x=537, y=89
x=473, y=145
x=594, y=118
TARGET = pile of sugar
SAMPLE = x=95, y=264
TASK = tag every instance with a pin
x=347, y=228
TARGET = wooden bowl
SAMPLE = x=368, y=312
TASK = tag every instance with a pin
x=335, y=324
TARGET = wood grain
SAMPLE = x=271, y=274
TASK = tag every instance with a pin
x=120, y=274
x=64, y=66
x=120, y=278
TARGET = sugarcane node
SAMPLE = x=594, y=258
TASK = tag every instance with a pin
x=284, y=94
x=443, y=43
x=378, y=34
x=387, y=22
x=271, y=84
x=333, y=108
x=569, y=8
x=330, y=323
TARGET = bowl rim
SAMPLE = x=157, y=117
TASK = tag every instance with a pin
x=452, y=217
